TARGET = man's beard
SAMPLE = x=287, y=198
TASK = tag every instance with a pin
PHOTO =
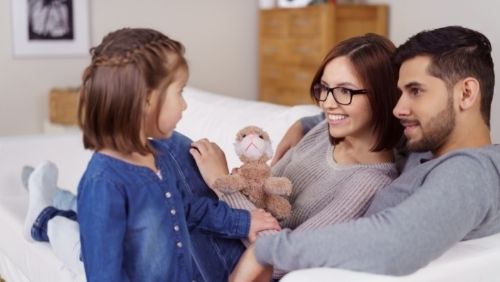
x=438, y=130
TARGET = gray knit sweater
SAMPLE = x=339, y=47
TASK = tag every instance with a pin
x=324, y=192
x=433, y=205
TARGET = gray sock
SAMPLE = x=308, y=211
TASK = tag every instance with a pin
x=42, y=187
x=25, y=175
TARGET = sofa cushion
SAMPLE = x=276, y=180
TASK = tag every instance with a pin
x=219, y=118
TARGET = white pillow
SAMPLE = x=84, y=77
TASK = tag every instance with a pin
x=219, y=118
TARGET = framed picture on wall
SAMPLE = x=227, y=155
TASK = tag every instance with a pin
x=42, y=28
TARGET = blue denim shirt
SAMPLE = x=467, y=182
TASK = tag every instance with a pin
x=135, y=226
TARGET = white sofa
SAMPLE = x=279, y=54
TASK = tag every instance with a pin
x=208, y=115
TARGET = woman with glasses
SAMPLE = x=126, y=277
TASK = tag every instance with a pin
x=342, y=162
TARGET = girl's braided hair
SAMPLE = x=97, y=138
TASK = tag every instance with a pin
x=125, y=68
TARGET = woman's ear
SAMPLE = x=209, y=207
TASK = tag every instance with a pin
x=469, y=93
x=151, y=96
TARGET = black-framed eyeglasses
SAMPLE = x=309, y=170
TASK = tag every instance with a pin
x=341, y=95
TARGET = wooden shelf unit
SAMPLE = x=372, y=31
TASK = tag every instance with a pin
x=293, y=42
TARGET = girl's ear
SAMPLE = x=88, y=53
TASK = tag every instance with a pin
x=469, y=93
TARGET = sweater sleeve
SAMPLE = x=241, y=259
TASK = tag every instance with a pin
x=451, y=201
x=311, y=121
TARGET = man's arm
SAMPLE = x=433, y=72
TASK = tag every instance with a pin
x=399, y=240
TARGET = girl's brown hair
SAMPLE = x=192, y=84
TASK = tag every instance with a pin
x=371, y=57
x=126, y=67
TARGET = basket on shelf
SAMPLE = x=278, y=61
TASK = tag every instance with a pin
x=63, y=105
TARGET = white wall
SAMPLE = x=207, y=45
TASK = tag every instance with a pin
x=220, y=38
x=408, y=17
x=221, y=41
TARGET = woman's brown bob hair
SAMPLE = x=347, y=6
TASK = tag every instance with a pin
x=371, y=57
x=126, y=67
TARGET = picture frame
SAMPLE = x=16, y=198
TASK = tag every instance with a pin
x=293, y=3
x=50, y=28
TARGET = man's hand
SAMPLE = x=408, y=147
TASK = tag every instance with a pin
x=291, y=138
x=249, y=269
x=261, y=220
x=210, y=160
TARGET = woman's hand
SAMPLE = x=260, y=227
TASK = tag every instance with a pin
x=292, y=136
x=260, y=221
x=210, y=160
x=249, y=269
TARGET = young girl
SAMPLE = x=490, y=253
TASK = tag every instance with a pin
x=135, y=206
x=341, y=163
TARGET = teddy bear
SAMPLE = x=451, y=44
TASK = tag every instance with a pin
x=253, y=178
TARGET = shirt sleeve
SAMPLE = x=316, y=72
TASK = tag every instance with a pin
x=450, y=202
x=217, y=217
x=102, y=219
x=311, y=121
x=238, y=200
x=203, y=209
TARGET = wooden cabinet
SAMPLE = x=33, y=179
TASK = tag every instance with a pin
x=293, y=42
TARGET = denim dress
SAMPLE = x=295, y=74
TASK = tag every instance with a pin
x=135, y=225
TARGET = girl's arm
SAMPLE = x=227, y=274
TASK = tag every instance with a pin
x=217, y=217
x=211, y=161
x=237, y=200
x=101, y=215
x=202, y=210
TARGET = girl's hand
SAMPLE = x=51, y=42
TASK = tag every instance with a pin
x=210, y=160
x=261, y=220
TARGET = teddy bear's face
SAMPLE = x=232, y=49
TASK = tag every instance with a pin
x=253, y=144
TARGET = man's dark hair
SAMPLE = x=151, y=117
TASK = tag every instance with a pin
x=456, y=53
